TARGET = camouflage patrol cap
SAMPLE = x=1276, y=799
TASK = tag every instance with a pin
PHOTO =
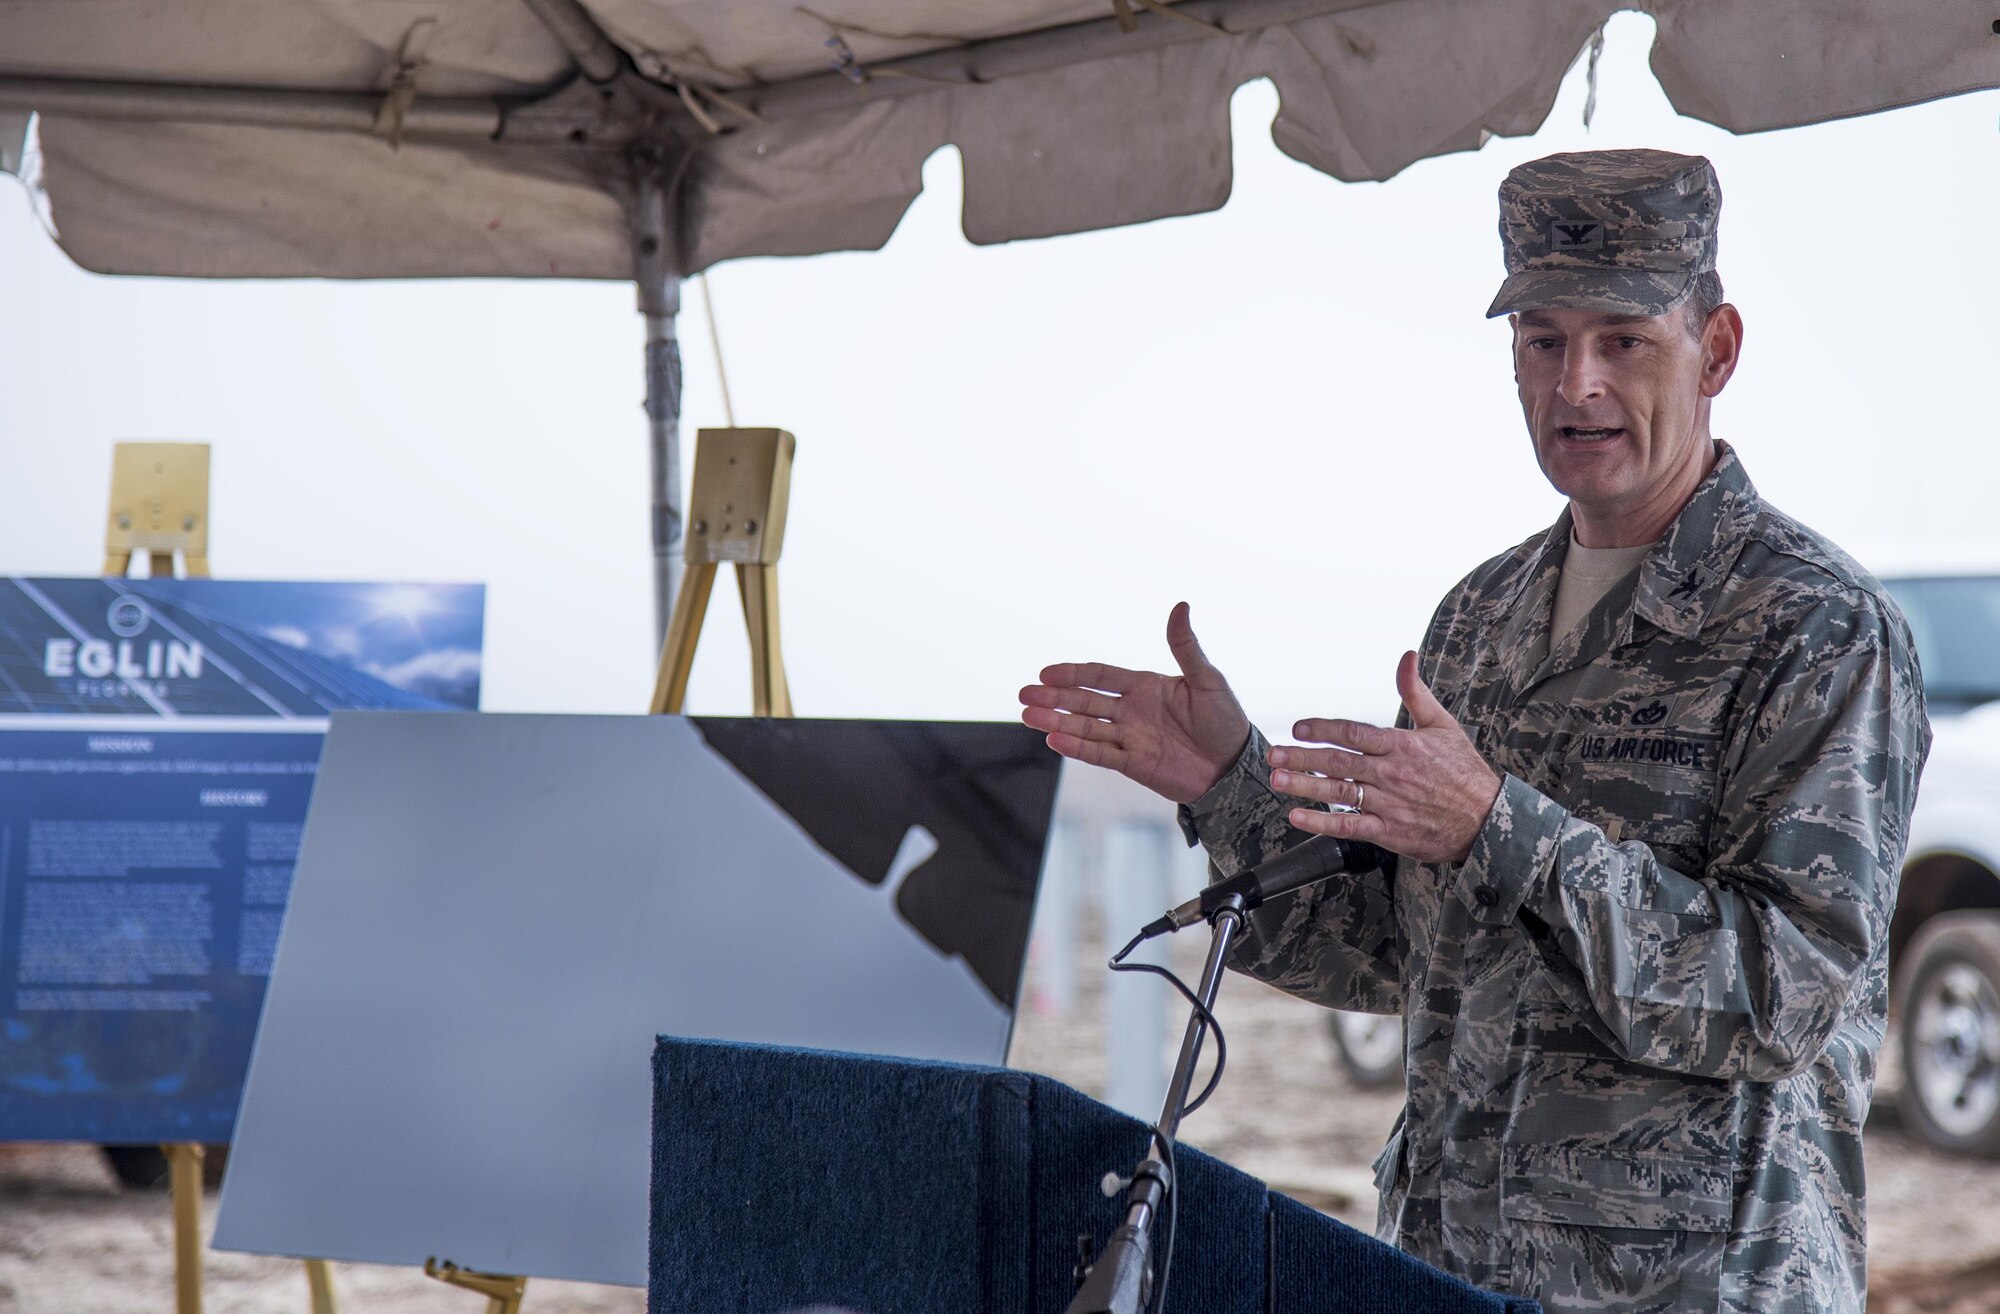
x=1622, y=231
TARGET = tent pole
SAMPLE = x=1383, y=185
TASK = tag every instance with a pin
x=660, y=303
x=578, y=33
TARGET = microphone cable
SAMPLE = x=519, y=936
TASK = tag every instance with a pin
x=1173, y=1217
x=1208, y=1023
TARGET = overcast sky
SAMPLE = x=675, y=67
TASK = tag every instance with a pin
x=1289, y=412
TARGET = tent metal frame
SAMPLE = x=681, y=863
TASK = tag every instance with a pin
x=608, y=105
x=556, y=116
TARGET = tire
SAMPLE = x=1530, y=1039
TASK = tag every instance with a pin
x=1370, y=1048
x=1951, y=1034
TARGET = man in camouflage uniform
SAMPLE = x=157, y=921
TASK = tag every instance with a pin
x=1638, y=930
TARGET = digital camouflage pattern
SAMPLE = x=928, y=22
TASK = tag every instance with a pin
x=1642, y=1017
x=1620, y=231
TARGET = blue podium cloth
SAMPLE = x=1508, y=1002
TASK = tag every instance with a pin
x=785, y=1179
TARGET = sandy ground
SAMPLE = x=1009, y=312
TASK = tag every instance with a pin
x=72, y=1243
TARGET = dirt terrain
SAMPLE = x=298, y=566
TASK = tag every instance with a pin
x=72, y=1243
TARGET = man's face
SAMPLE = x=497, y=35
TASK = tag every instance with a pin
x=1617, y=406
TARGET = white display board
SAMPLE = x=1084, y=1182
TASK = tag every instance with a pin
x=493, y=916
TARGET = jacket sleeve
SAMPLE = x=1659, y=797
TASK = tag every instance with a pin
x=1334, y=943
x=1744, y=970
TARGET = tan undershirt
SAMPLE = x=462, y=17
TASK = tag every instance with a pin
x=1587, y=575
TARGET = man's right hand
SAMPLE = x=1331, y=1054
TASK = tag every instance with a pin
x=1176, y=735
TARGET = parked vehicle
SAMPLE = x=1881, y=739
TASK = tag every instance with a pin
x=1944, y=940
x=1944, y=943
x=1369, y=1047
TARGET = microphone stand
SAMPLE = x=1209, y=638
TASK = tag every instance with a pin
x=1121, y=1280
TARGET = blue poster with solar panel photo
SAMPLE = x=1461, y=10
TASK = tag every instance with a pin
x=158, y=743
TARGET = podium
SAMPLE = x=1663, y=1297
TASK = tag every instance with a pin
x=791, y=1179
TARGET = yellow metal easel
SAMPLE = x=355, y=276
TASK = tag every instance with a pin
x=184, y=1181
x=503, y=1294
x=159, y=507
x=736, y=514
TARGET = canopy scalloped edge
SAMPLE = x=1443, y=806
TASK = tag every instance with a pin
x=1137, y=134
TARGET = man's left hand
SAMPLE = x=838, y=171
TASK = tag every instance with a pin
x=1422, y=792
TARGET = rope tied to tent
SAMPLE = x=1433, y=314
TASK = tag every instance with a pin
x=411, y=59
x=843, y=27
x=845, y=62
x=1128, y=22
x=691, y=75
x=715, y=341
x=694, y=107
x=850, y=66
x=1590, y=76
x=693, y=62
x=697, y=98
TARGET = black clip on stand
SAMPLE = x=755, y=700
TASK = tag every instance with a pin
x=1122, y=1278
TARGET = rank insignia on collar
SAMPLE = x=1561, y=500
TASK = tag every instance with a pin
x=1687, y=587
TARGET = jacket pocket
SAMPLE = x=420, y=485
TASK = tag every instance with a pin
x=1594, y=1189
x=1665, y=803
x=1682, y=962
x=1605, y=1229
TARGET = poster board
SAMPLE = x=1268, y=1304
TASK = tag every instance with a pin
x=493, y=916
x=159, y=740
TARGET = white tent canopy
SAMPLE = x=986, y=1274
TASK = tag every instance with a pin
x=648, y=139
x=516, y=138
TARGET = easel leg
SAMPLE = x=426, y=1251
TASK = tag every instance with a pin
x=197, y=566
x=770, y=694
x=319, y=1279
x=117, y=563
x=683, y=633
x=503, y=1294
x=184, y=1178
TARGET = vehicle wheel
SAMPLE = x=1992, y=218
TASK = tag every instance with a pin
x=1951, y=1034
x=1370, y=1048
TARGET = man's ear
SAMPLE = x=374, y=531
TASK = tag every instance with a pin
x=1721, y=348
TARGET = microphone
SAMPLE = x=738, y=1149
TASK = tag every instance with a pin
x=1303, y=864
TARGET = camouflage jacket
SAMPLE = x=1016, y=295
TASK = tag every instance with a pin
x=1642, y=1016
